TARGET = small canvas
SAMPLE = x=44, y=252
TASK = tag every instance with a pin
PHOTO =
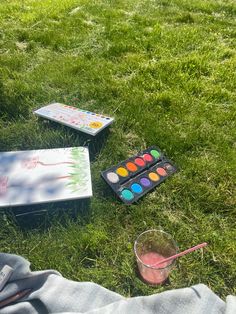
x=46, y=175
x=82, y=120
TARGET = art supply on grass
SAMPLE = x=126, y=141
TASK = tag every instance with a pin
x=79, y=119
x=151, y=247
x=166, y=260
x=139, y=174
x=39, y=176
x=16, y=297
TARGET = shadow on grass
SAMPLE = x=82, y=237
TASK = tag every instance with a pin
x=72, y=137
x=43, y=216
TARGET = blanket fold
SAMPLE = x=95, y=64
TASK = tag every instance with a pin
x=52, y=293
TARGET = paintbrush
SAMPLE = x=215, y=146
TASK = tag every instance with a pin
x=15, y=297
x=199, y=246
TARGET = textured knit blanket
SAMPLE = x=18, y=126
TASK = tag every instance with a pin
x=51, y=293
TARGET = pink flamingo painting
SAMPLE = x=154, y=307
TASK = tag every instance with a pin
x=3, y=185
x=33, y=162
x=44, y=175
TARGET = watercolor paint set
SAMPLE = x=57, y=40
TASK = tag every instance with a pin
x=136, y=176
x=82, y=120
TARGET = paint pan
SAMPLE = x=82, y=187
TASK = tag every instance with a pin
x=136, y=176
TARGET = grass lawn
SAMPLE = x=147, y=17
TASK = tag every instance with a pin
x=166, y=71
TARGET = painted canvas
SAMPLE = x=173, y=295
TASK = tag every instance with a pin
x=82, y=120
x=38, y=176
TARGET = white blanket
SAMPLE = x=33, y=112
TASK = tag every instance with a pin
x=51, y=293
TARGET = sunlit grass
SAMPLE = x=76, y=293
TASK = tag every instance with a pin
x=166, y=71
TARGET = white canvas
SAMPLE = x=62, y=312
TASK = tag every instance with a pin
x=82, y=120
x=38, y=176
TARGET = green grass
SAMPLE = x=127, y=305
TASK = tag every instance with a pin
x=166, y=71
